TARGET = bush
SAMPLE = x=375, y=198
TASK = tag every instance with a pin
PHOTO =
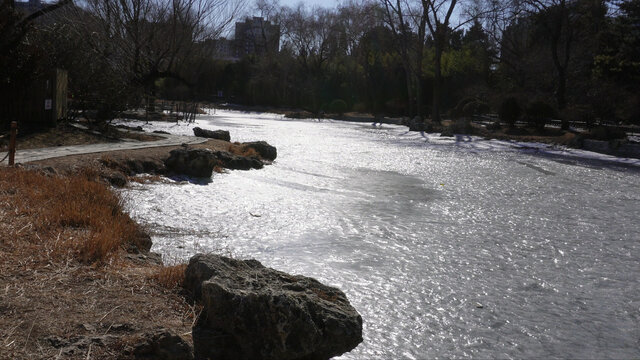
x=494, y=126
x=510, y=111
x=338, y=106
x=360, y=107
x=538, y=112
x=579, y=114
x=475, y=108
x=459, y=127
x=459, y=110
x=606, y=133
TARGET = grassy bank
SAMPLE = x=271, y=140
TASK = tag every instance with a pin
x=70, y=285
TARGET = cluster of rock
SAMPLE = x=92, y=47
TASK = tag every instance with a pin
x=254, y=312
x=194, y=162
x=202, y=162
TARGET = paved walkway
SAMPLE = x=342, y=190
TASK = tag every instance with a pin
x=28, y=155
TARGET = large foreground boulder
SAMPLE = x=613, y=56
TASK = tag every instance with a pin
x=253, y=312
x=212, y=134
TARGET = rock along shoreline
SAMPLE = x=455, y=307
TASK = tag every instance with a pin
x=248, y=311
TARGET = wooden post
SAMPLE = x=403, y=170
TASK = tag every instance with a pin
x=12, y=143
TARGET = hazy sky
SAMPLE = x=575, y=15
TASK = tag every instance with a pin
x=310, y=3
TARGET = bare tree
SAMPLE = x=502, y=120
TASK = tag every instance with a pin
x=397, y=16
x=558, y=22
x=13, y=27
x=149, y=39
x=438, y=20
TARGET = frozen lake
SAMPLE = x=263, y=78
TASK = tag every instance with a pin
x=449, y=248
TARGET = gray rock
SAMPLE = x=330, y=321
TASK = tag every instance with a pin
x=447, y=132
x=212, y=134
x=150, y=258
x=163, y=344
x=200, y=162
x=417, y=124
x=116, y=178
x=191, y=162
x=141, y=243
x=253, y=312
x=266, y=151
x=77, y=344
x=235, y=162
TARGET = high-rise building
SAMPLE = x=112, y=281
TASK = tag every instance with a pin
x=256, y=36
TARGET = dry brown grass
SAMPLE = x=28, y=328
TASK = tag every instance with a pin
x=219, y=169
x=72, y=216
x=241, y=150
x=61, y=275
x=170, y=277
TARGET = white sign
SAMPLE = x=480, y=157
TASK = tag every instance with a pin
x=47, y=104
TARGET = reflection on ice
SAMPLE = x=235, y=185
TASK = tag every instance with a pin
x=420, y=230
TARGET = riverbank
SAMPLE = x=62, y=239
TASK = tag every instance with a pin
x=77, y=278
x=69, y=249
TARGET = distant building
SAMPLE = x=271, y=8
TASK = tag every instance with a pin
x=256, y=36
x=225, y=49
x=253, y=36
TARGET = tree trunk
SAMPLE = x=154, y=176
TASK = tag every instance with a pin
x=418, y=79
x=437, y=85
x=419, y=105
x=562, y=89
x=409, y=75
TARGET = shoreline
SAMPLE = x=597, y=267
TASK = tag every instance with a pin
x=577, y=140
x=109, y=307
x=111, y=296
x=97, y=322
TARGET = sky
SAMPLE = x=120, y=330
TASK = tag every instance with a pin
x=310, y=3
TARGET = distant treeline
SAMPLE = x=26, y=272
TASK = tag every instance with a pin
x=577, y=60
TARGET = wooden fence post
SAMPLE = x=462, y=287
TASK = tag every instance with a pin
x=12, y=143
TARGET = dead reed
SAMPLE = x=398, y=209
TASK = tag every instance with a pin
x=242, y=150
x=170, y=277
x=72, y=215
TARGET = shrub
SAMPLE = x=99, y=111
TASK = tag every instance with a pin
x=459, y=127
x=482, y=108
x=579, y=114
x=606, y=133
x=538, y=112
x=360, y=107
x=475, y=108
x=459, y=109
x=338, y=106
x=494, y=126
x=510, y=111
